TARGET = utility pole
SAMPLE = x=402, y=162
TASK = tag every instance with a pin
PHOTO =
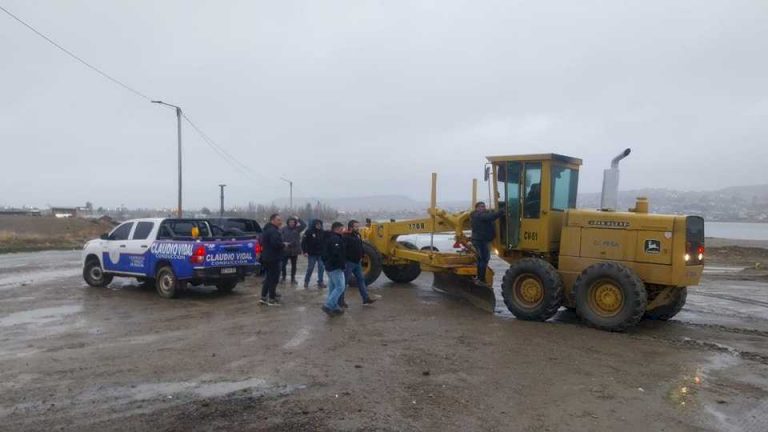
x=290, y=186
x=221, y=209
x=178, y=121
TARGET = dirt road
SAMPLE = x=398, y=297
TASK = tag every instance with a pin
x=121, y=358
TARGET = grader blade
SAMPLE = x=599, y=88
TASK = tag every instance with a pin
x=465, y=287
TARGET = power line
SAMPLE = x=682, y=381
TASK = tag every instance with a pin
x=74, y=56
x=231, y=160
x=234, y=162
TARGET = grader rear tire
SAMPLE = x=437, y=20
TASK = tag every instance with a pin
x=371, y=265
x=671, y=308
x=610, y=296
x=403, y=273
x=532, y=289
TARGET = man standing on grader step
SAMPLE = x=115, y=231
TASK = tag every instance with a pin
x=271, y=255
x=483, y=232
x=353, y=246
x=335, y=260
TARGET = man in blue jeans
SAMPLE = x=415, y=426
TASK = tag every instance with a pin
x=483, y=232
x=353, y=246
x=334, y=257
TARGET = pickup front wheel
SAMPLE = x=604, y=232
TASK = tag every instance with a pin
x=94, y=275
x=166, y=283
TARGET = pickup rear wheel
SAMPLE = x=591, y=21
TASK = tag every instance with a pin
x=94, y=275
x=226, y=285
x=166, y=283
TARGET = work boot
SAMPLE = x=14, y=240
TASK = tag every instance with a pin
x=294, y=282
x=369, y=302
x=321, y=285
x=263, y=301
x=306, y=285
x=343, y=305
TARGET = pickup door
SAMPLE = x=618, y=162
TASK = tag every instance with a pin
x=115, y=255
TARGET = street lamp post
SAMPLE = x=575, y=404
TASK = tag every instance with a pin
x=178, y=118
x=290, y=185
x=221, y=209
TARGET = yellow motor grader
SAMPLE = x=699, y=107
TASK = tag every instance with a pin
x=613, y=267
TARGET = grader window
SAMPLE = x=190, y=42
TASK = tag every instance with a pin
x=532, y=205
x=565, y=182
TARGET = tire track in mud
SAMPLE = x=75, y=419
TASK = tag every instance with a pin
x=718, y=327
x=689, y=342
x=731, y=298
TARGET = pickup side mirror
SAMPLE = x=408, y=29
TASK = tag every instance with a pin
x=104, y=236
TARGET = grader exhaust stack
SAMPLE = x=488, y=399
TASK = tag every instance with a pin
x=610, y=197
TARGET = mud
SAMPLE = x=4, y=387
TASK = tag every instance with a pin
x=121, y=358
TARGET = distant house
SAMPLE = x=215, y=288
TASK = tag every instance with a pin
x=65, y=212
x=20, y=212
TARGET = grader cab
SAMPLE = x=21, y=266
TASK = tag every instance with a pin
x=613, y=267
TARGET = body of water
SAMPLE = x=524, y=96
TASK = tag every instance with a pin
x=736, y=230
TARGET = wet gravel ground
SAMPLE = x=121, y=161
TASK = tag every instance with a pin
x=121, y=358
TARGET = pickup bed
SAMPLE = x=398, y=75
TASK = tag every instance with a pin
x=170, y=253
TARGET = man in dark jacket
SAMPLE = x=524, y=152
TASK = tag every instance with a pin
x=483, y=232
x=353, y=246
x=335, y=260
x=291, y=232
x=271, y=255
x=312, y=245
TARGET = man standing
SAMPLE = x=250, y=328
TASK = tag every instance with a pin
x=334, y=257
x=353, y=246
x=483, y=232
x=271, y=254
x=292, y=237
x=312, y=245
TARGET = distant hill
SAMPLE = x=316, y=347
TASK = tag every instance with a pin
x=375, y=203
x=738, y=203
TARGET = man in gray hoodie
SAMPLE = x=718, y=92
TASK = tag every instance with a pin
x=292, y=239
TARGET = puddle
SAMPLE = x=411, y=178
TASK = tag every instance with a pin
x=13, y=280
x=721, y=270
x=713, y=387
x=39, y=316
x=186, y=390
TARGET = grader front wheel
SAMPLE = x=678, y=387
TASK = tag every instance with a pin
x=371, y=264
x=403, y=273
x=532, y=289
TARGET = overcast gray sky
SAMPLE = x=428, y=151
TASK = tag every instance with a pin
x=356, y=97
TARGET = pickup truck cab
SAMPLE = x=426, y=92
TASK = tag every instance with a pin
x=170, y=253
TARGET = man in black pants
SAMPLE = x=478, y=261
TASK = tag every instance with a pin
x=291, y=232
x=271, y=255
x=483, y=232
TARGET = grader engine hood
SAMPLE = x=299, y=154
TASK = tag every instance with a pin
x=622, y=236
